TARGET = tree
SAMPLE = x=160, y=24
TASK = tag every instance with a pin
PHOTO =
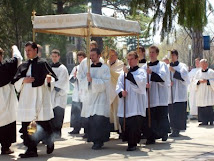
x=191, y=14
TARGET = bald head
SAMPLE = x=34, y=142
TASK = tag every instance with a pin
x=204, y=64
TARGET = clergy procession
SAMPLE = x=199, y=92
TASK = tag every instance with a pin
x=140, y=98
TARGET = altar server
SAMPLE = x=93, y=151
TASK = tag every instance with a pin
x=8, y=99
x=96, y=102
x=158, y=89
x=131, y=88
x=192, y=94
x=204, y=83
x=178, y=94
x=59, y=94
x=34, y=81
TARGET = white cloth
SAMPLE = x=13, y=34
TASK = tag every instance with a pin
x=204, y=92
x=60, y=98
x=136, y=98
x=159, y=90
x=34, y=101
x=96, y=99
x=8, y=106
x=179, y=87
x=192, y=93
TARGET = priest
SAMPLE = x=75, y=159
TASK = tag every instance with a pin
x=59, y=94
x=158, y=85
x=34, y=81
x=96, y=102
x=131, y=89
x=204, y=83
x=116, y=67
x=178, y=95
x=8, y=100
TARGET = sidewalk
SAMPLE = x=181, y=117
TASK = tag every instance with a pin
x=196, y=144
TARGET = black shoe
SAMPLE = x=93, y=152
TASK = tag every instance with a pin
x=211, y=123
x=50, y=149
x=174, y=134
x=85, y=136
x=7, y=152
x=97, y=146
x=73, y=132
x=143, y=137
x=131, y=148
x=22, y=137
x=165, y=137
x=203, y=124
x=28, y=154
x=148, y=142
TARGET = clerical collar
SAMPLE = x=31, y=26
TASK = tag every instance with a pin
x=97, y=65
x=32, y=60
x=113, y=63
x=204, y=70
x=154, y=63
x=142, y=61
x=55, y=65
x=174, y=64
x=133, y=69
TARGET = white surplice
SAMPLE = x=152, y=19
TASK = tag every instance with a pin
x=204, y=92
x=96, y=99
x=34, y=102
x=135, y=100
x=159, y=90
x=179, y=88
x=60, y=98
x=192, y=94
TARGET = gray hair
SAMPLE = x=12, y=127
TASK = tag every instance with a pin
x=203, y=61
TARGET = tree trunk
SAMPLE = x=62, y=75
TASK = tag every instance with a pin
x=197, y=45
x=60, y=7
x=97, y=8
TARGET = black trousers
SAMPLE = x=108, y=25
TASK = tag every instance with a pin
x=178, y=115
x=7, y=135
x=44, y=133
x=159, y=123
x=76, y=119
x=205, y=114
x=98, y=129
x=57, y=121
x=132, y=133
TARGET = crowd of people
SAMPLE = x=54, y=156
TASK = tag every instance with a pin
x=138, y=100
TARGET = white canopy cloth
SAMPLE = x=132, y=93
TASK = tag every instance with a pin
x=77, y=24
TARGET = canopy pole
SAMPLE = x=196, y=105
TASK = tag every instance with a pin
x=138, y=43
x=88, y=36
x=32, y=19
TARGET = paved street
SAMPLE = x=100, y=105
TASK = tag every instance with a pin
x=196, y=144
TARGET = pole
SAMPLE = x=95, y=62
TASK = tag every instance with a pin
x=148, y=93
x=124, y=99
x=88, y=40
x=32, y=19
